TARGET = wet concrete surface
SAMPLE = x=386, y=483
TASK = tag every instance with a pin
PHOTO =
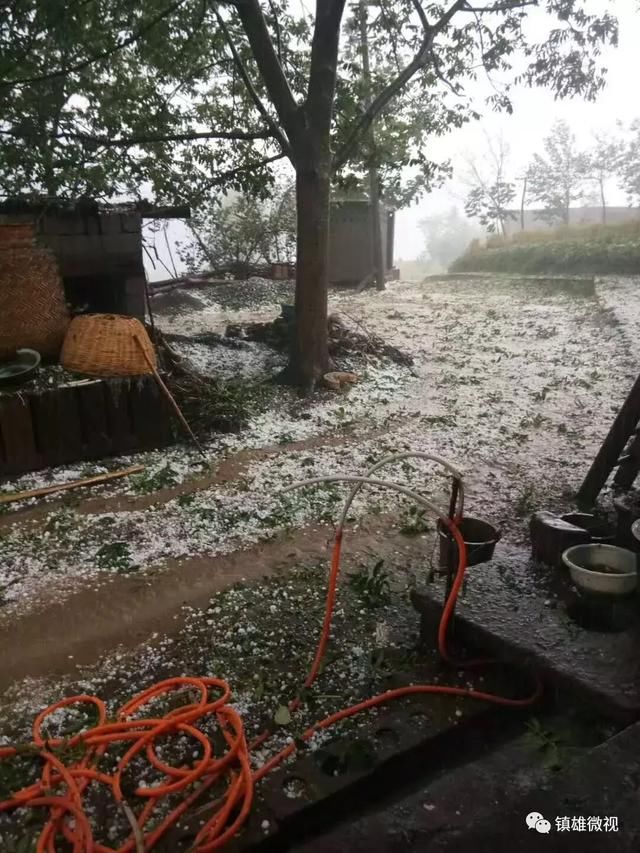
x=529, y=613
x=483, y=807
x=440, y=810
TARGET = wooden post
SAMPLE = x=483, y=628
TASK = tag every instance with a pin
x=609, y=454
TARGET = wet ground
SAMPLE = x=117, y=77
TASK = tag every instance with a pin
x=112, y=587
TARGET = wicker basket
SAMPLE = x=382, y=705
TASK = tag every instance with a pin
x=16, y=232
x=106, y=345
x=33, y=312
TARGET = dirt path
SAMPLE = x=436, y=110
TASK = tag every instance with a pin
x=126, y=610
x=230, y=469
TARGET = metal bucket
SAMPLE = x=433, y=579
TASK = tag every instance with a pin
x=479, y=536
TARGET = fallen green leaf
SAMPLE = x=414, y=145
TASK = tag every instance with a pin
x=282, y=716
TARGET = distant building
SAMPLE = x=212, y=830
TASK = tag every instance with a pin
x=350, y=239
x=534, y=220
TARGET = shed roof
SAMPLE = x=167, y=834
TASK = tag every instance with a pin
x=90, y=206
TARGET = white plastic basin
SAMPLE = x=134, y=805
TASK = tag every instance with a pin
x=602, y=568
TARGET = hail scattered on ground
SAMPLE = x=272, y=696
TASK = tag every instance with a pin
x=516, y=385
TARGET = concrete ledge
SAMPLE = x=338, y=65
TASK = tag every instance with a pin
x=519, y=610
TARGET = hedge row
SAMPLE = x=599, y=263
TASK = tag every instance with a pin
x=571, y=258
x=578, y=249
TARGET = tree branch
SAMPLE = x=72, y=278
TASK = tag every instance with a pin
x=276, y=24
x=134, y=37
x=324, y=61
x=506, y=6
x=127, y=142
x=419, y=61
x=483, y=64
x=255, y=97
x=385, y=16
x=455, y=87
x=223, y=177
x=255, y=27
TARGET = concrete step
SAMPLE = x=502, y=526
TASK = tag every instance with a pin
x=483, y=806
x=530, y=614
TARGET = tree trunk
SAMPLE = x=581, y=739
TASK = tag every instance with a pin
x=308, y=129
x=376, y=230
x=309, y=359
x=374, y=183
x=603, y=202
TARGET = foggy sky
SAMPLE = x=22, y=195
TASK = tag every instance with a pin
x=535, y=111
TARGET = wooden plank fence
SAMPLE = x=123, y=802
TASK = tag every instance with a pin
x=72, y=423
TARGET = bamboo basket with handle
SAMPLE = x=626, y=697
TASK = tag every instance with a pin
x=108, y=345
x=33, y=311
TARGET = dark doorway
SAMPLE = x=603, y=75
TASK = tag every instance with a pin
x=96, y=294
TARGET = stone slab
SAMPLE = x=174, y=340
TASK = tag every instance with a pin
x=406, y=741
x=442, y=808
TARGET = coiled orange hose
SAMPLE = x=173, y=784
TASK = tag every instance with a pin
x=67, y=813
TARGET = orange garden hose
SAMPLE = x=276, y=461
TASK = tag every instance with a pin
x=62, y=786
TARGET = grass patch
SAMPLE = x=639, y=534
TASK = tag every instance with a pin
x=371, y=585
x=415, y=521
x=151, y=481
x=115, y=555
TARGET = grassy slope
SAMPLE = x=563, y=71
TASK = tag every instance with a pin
x=570, y=249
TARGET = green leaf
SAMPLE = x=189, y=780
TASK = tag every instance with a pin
x=282, y=716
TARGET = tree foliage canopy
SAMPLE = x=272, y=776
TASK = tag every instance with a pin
x=556, y=177
x=180, y=97
x=491, y=192
x=97, y=96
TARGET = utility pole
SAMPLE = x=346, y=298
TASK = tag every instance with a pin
x=374, y=183
x=525, y=179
